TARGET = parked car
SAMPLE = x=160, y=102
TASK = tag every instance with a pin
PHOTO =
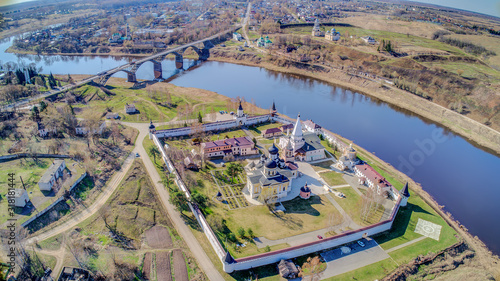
x=137, y=155
x=232, y=113
x=361, y=244
x=320, y=237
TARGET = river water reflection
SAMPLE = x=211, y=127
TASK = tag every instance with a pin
x=459, y=175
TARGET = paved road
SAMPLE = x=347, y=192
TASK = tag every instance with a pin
x=201, y=257
x=338, y=263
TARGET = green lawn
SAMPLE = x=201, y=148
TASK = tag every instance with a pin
x=228, y=135
x=333, y=178
x=352, y=204
x=406, y=220
x=301, y=216
x=148, y=107
x=374, y=271
x=31, y=172
x=257, y=130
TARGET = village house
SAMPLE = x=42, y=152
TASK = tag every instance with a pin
x=369, y=40
x=286, y=128
x=52, y=174
x=112, y=115
x=20, y=198
x=234, y=146
x=237, y=36
x=189, y=163
x=312, y=127
x=271, y=132
x=367, y=175
x=82, y=128
x=43, y=131
x=130, y=108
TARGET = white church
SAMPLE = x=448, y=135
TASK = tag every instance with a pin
x=301, y=146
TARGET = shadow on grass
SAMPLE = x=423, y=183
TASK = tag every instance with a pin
x=191, y=221
x=400, y=224
x=258, y=273
x=301, y=206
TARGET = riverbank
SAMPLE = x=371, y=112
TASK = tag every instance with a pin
x=485, y=258
x=484, y=255
x=478, y=134
x=12, y=50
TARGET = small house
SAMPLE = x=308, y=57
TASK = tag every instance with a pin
x=286, y=128
x=271, y=132
x=130, y=108
x=54, y=172
x=189, y=163
x=369, y=40
x=312, y=127
x=237, y=36
x=112, y=115
x=20, y=197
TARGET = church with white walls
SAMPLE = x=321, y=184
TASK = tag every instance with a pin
x=301, y=146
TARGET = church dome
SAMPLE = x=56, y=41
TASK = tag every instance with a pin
x=273, y=149
x=270, y=164
x=305, y=188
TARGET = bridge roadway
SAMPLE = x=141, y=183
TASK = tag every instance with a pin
x=112, y=71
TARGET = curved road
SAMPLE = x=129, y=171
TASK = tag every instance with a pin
x=201, y=257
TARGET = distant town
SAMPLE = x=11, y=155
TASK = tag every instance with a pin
x=112, y=169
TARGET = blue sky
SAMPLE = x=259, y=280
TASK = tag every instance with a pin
x=489, y=7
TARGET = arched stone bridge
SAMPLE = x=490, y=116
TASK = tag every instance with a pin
x=201, y=47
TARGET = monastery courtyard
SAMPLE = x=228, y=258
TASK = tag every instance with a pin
x=292, y=165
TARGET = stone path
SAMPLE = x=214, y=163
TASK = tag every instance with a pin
x=405, y=244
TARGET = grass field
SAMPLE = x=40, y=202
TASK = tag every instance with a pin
x=131, y=210
x=333, y=178
x=490, y=42
x=257, y=130
x=352, y=204
x=151, y=102
x=31, y=172
x=301, y=216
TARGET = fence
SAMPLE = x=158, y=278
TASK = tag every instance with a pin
x=24, y=224
x=230, y=264
x=11, y=157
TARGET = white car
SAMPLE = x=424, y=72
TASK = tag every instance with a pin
x=361, y=244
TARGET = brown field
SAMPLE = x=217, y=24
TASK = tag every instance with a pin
x=158, y=237
x=146, y=269
x=180, y=269
x=490, y=42
x=163, y=271
x=380, y=22
x=28, y=24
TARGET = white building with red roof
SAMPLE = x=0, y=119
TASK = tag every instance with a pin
x=241, y=146
x=367, y=175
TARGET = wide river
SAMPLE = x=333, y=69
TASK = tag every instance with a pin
x=457, y=174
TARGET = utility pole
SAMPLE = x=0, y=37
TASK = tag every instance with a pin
x=22, y=182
